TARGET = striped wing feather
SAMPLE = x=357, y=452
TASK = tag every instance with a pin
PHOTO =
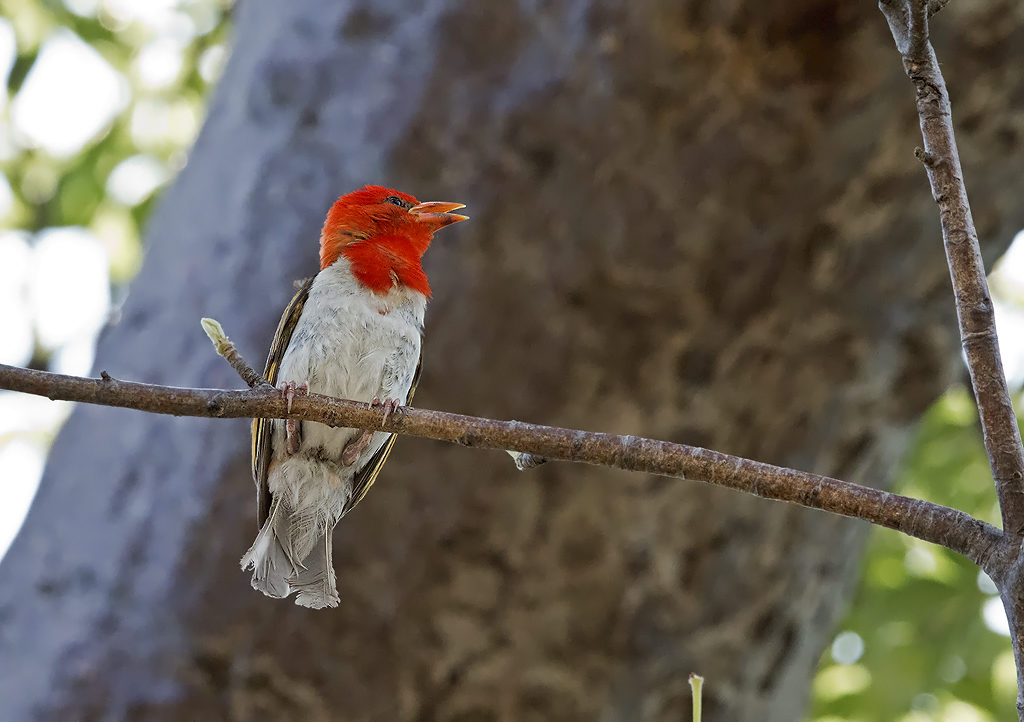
x=261, y=451
x=261, y=436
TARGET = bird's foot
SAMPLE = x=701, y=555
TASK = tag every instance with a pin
x=355, y=447
x=390, y=406
x=292, y=433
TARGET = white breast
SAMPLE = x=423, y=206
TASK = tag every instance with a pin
x=353, y=344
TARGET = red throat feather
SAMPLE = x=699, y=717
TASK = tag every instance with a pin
x=382, y=241
x=382, y=262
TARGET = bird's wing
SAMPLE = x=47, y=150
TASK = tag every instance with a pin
x=368, y=473
x=261, y=427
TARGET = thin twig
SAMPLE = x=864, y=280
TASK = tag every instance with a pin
x=227, y=349
x=967, y=270
x=908, y=21
x=950, y=528
x=934, y=6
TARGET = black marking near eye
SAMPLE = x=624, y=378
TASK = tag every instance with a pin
x=398, y=202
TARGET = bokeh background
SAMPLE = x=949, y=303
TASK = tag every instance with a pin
x=103, y=100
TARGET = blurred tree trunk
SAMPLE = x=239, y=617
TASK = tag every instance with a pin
x=696, y=221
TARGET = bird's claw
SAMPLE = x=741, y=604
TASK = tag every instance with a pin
x=390, y=406
x=354, y=447
x=289, y=389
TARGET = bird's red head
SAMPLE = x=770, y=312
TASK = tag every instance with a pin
x=383, y=233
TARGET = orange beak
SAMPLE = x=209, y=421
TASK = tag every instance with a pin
x=438, y=213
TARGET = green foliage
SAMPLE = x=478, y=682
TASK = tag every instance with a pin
x=927, y=652
x=160, y=122
x=156, y=64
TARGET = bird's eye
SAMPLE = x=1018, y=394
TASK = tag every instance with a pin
x=398, y=202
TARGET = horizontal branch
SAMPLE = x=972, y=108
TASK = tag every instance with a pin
x=950, y=528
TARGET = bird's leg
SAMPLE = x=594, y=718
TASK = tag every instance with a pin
x=292, y=429
x=357, y=445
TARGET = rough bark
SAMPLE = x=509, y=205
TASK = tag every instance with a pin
x=696, y=221
x=985, y=545
x=909, y=23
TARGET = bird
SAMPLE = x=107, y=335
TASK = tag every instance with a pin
x=354, y=331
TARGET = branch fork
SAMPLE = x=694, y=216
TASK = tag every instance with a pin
x=908, y=22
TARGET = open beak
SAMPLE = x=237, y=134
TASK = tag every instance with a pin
x=438, y=213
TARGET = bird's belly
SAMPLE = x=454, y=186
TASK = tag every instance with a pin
x=348, y=349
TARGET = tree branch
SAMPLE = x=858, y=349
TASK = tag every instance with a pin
x=950, y=528
x=909, y=24
x=908, y=21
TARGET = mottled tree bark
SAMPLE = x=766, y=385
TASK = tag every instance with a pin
x=696, y=221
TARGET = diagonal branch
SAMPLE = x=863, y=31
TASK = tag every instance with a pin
x=951, y=528
x=908, y=21
x=227, y=350
x=909, y=25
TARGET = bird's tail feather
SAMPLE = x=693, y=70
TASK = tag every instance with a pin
x=280, y=568
x=270, y=563
x=315, y=582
